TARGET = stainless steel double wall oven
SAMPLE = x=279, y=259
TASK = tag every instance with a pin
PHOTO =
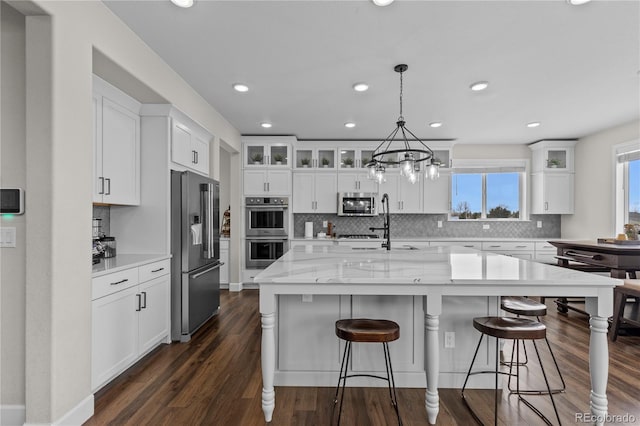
x=267, y=229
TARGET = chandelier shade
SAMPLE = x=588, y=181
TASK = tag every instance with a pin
x=402, y=149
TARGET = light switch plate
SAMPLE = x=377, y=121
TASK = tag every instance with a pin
x=485, y=226
x=307, y=298
x=7, y=237
x=439, y=224
x=539, y=224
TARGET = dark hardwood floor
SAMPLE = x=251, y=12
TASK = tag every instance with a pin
x=215, y=380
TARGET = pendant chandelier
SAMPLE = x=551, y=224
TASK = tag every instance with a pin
x=400, y=153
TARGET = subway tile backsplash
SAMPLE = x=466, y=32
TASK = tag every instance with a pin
x=426, y=226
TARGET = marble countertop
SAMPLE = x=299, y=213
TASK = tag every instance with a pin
x=310, y=264
x=125, y=261
x=432, y=239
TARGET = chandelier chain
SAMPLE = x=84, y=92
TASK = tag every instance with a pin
x=401, y=117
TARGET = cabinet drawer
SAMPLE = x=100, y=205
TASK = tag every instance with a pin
x=111, y=283
x=507, y=245
x=154, y=270
x=469, y=244
x=545, y=246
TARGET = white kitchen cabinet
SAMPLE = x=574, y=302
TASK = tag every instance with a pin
x=315, y=158
x=545, y=252
x=356, y=157
x=130, y=316
x=519, y=249
x=116, y=146
x=552, y=193
x=436, y=194
x=189, y=146
x=315, y=192
x=267, y=182
x=404, y=196
x=552, y=177
x=356, y=182
x=267, y=151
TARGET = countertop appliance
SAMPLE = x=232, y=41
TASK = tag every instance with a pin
x=357, y=203
x=195, y=246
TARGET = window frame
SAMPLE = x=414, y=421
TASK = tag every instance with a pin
x=621, y=177
x=484, y=167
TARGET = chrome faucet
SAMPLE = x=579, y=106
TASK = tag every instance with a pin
x=385, y=228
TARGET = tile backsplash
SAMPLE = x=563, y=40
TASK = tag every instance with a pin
x=426, y=226
x=104, y=213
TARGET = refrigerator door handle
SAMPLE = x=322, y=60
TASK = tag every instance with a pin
x=207, y=270
x=208, y=204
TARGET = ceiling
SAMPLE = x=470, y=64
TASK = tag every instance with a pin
x=574, y=69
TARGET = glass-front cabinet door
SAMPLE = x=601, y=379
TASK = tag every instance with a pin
x=355, y=158
x=267, y=155
x=315, y=158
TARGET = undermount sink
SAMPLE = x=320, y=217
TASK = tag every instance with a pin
x=382, y=248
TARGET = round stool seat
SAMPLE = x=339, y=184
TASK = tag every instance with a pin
x=367, y=330
x=630, y=285
x=510, y=328
x=523, y=306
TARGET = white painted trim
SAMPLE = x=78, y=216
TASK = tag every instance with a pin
x=12, y=415
x=235, y=286
x=78, y=414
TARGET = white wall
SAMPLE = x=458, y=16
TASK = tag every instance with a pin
x=12, y=174
x=58, y=178
x=594, y=191
x=493, y=152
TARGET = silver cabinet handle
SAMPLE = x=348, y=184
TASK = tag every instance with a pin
x=521, y=246
x=157, y=270
x=101, y=185
x=139, y=308
x=120, y=282
x=197, y=160
x=470, y=246
x=193, y=157
x=494, y=246
x=546, y=205
x=144, y=300
x=108, y=180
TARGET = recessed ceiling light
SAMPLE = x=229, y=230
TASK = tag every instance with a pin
x=577, y=2
x=239, y=87
x=266, y=125
x=479, y=85
x=435, y=124
x=182, y=3
x=360, y=87
x=533, y=124
x=382, y=2
x=349, y=125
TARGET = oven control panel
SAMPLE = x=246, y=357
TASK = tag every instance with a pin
x=267, y=201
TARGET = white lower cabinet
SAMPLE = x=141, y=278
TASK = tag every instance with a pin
x=130, y=316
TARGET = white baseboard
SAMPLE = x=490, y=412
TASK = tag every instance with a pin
x=235, y=286
x=12, y=415
x=78, y=414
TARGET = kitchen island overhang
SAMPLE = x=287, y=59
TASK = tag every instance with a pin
x=432, y=273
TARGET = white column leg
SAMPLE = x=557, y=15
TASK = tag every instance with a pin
x=268, y=365
x=599, y=367
x=432, y=364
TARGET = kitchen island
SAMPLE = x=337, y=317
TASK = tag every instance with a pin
x=433, y=273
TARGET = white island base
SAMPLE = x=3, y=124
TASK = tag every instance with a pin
x=427, y=292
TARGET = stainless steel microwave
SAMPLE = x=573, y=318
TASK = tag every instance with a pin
x=357, y=203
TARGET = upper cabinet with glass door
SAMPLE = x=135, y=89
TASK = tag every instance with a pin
x=314, y=157
x=268, y=151
x=356, y=157
x=552, y=156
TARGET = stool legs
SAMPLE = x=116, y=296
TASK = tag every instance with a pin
x=343, y=378
x=518, y=392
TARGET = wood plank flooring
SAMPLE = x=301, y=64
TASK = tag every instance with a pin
x=215, y=379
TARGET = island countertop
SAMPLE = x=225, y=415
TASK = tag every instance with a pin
x=452, y=265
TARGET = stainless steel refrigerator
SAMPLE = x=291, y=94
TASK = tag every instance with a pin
x=195, y=246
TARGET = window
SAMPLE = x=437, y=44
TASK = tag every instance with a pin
x=627, y=184
x=487, y=191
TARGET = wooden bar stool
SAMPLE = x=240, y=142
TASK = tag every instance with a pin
x=366, y=331
x=509, y=328
x=523, y=306
x=631, y=288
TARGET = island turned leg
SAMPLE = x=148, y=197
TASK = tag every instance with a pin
x=599, y=367
x=268, y=365
x=432, y=367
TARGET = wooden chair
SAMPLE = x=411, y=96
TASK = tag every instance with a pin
x=631, y=288
x=366, y=331
x=509, y=328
